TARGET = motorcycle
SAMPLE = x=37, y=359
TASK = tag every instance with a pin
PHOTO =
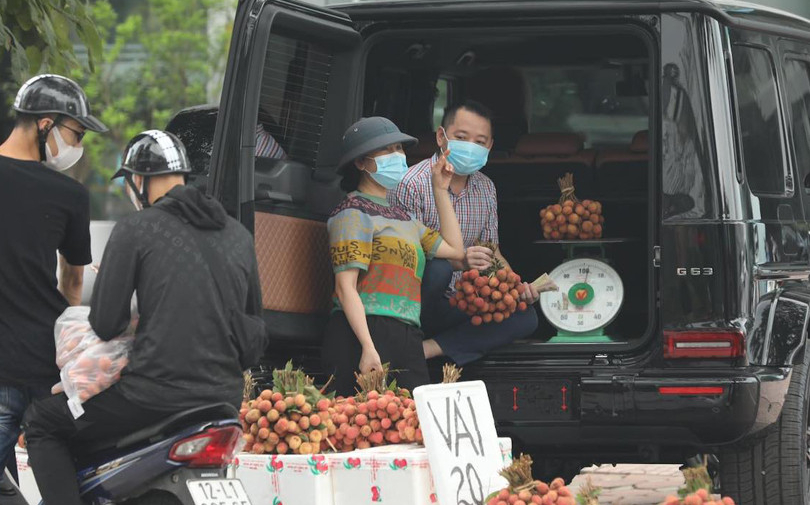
x=180, y=461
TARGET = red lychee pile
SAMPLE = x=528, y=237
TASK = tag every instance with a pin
x=489, y=296
x=292, y=417
x=700, y=497
x=296, y=417
x=571, y=219
x=374, y=419
x=524, y=490
x=377, y=415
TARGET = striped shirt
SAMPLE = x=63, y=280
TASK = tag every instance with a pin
x=476, y=205
x=266, y=145
x=389, y=247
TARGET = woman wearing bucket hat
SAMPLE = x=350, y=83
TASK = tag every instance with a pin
x=378, y=254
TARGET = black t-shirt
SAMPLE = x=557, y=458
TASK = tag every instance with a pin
x=41, y=211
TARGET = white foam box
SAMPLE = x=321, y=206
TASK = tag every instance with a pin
x=27, y=484
x=390, y=474
x=285, y=479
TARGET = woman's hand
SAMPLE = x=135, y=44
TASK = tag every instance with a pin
x=369, y=360
x=442, y=172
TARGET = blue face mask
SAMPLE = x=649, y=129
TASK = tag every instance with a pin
x=466, y=157
x=391, y=168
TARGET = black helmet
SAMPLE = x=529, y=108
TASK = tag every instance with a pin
x=54, y=94
x=154, y=152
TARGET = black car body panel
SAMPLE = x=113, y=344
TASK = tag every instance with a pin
x=720, y=257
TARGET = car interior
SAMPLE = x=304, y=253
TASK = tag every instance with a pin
x=563, y=101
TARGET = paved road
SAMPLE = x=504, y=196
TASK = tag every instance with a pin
x=632, y=484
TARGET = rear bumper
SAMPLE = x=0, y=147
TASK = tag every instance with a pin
x=632, y=409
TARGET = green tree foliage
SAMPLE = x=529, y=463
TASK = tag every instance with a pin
x=156, y=62
x=36, y=35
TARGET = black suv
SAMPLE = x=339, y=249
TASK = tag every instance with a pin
x=689, y=120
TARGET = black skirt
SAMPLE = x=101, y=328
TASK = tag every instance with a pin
x=397, y=343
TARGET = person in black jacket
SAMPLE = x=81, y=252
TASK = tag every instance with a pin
x=186, y=353
x=43, y=211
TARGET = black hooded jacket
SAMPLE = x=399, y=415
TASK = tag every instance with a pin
x=182, y=356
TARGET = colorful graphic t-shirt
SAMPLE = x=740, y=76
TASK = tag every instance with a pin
x=389, y=247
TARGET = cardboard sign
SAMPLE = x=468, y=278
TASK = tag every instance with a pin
x=461, y=441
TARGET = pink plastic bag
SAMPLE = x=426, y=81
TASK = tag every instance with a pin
x=88, y=364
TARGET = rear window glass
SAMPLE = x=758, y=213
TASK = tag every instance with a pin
x=293, y=95
x=441, y=102
x=758, y=105
x=594, y=85
x=607, y=102
x=797, y=74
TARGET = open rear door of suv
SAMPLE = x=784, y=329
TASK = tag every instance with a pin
x=289, y=93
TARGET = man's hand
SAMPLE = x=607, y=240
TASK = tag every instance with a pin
x=478, y=257
x=530, y=294
x=442, y=172
x=369, y=360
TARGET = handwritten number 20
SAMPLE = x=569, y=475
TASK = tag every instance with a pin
x=471, y=472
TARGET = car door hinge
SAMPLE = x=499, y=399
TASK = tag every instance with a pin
x=657, y=256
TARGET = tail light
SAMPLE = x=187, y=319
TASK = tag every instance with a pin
x=699, y=344
x=214, y=447
x=691, y=390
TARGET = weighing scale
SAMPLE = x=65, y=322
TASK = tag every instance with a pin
x=590, y=293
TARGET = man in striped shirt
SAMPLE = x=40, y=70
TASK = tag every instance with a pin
x=266, y=145
x=467, y=132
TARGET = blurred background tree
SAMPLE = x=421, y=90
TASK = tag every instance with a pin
x=139, y=61
x=158, y=59
x=37, y=34
x=40, y=34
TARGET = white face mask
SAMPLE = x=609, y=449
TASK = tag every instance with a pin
x=67, y=155
x=136, y=202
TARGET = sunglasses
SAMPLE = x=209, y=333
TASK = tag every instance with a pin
x=79, y=135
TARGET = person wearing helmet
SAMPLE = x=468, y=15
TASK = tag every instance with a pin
x=43, y=211
x=194, y=271
x=378, y=254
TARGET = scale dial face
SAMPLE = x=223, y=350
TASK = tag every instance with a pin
x=590, y=295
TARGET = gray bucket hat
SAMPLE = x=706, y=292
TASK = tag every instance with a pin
x=368, y=135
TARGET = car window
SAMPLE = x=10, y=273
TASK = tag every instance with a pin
x=441, y=101
x=295, y=81
x=607, y=103
x=797, y=84
x=758, y=106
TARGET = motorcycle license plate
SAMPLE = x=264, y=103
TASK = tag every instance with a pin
x=218, y=492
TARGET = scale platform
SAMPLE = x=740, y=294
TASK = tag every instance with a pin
x=573, y=338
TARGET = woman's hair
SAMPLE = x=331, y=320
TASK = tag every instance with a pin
x=351, y=178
